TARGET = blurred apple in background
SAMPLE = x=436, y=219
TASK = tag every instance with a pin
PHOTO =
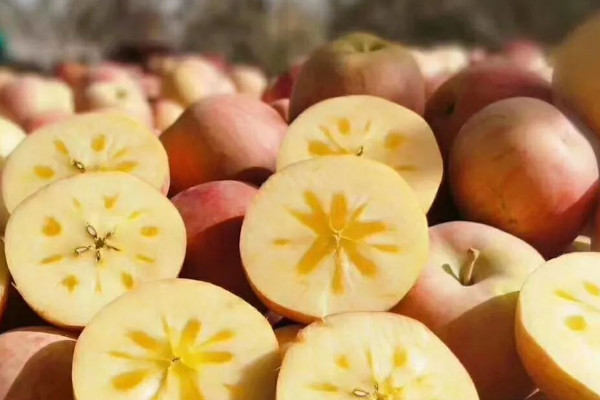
x=359, y=63
x=522, y=166
x=282, y=85
x=248, y=80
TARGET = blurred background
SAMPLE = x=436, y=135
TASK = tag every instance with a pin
x=37, y=34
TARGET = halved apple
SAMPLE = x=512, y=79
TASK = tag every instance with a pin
x=558, y=327
x=369, y=127
x=100, y=141
x=333, y=234
x=77, y=244
x=286, y=335
x=177, y=339
x=378, y=356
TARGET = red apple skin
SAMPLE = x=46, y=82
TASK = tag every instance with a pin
x=282, y=86
x=35, y=364
x=213, y=214
x=228, y=137
x=282, y=106
x=473, y=89
x=476, y=322
x=40, y=121
x=533, y=174
x=359, y=64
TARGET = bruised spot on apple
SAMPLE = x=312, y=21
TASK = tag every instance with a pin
x=35, y=363
x=533, y=173
x=224, y=137
x=467, y=295
x=213, y=214
x=359, y=63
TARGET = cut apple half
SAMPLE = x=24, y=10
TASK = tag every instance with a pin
x=100, y=141
x=558, y=327
x=177, y=339
x=369, y=127
x=371, y=356
x=4, y=280
x=81, y=242
x=333, y=234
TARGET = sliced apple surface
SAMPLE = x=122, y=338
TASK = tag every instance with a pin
x=100, y=141
x=558, y=326
x=177, y=339
x=376, y=355
x=369, y=127
x=333, y=234
x=79, y=243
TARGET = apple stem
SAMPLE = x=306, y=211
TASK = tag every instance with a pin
x=466, y=273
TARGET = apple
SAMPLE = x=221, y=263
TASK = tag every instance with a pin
x=533, y=174
x=359, y=63
x=97, y=141
x=249, y=80
x=286, y=336
x=192, y=79
x=166, y=112
x=368, y=127
x=282, y=85
x=71, y=72
x=203, y=343
x=97, y=235
x=575, y=81
x=473, y=89
x=11, y=136
x=223, y=137
x=4, y=282
x=556, y=325
x=6, y=76
x=371, y=355
x=333, y=234
x=538, y=396
x=17, y=313
x=35, y=364
x=282, y=106
x=467, y=296
x=213, y=213
x=37, y=122
x=30, y=96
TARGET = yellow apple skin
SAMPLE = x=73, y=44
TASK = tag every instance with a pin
x=359, y=63
x=249, y=80
x=35, y=364
x=166, y=113
x=476, y=321
x=575, y=81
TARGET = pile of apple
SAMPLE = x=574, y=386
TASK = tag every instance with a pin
x=379, y=223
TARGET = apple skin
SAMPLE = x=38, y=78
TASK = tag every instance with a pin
x=234, y=137
x=282, y=106
x=248, y=79
x=359, y=63
x=473, y=89
x=31, y=96
x=575, y=81
x=283, y=85
x=17, y=313
x=166, y=112
x=213, y=214
x=534, y=174
x=476, y=321
x=286, y=336
x=35, y=364
x=40, y=121
x=538, y=396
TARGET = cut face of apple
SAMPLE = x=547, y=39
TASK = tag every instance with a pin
x=333, y=234
x=94, y=237
x=378, y=356
x=558, y=325
x=368, y=127
x=177, y=339
x=102, y=141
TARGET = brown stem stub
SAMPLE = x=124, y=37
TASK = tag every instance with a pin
x=466, y=272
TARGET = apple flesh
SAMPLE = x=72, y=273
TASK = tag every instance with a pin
x=35, y=364
x=204, y=343
x=467, y=296
x=225, y=137
x=557, y=326
x=328, y=235
x=359, y=63
x=371, y=355
x=533, y=174
x=213, y=214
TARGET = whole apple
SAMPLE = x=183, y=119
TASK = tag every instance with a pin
x=467, y=295
x=520, y=165
x=359, y=63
